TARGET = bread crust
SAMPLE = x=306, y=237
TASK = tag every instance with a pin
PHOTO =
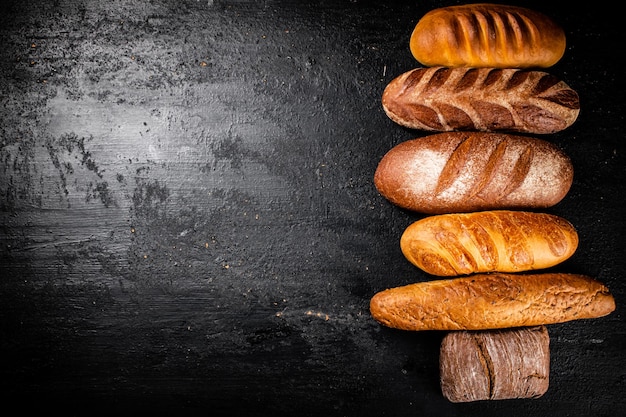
x=487, y=35
x=481, y=99
x=495, y=364
x=471, y=171
x=492, y=301
x=488, y=241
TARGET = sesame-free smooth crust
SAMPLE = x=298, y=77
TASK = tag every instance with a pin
x=488, y=241
x=487, y=35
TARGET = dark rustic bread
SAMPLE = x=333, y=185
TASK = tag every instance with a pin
x=492, y=301
x=495, y=364
x=471, y=171
x=487, y=35
x=482, y=99
x=488, y=241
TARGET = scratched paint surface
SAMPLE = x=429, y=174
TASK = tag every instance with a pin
x=188, y=212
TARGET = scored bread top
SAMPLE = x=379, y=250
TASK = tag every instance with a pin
x=483, y=99
x=470, y=171
x=488, y=241
x=487, y=35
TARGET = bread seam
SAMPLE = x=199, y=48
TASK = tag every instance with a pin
x=485, y=359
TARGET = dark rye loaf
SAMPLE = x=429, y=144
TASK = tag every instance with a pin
x=495, y=364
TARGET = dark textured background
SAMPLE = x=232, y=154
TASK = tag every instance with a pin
x=188, y=221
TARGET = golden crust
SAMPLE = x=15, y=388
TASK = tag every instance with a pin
x=492, y=301
x=488, y=241
x=487, y=35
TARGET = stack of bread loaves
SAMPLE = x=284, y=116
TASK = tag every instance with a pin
x=483, y=183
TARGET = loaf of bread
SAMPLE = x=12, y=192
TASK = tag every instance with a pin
x=488, y=241
x=487, y=35
x=495, y=364
x=470, y=171
x=482, y=99
x=492, y=301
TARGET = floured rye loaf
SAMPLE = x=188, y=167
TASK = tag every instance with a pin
x=487, y=35
x=488, y=241
x=483, y=99
x=495, y=364
x=492, y=301
x=471, y=171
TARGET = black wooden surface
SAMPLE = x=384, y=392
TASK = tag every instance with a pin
x=189, y=223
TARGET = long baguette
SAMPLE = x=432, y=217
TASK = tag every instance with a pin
x=487, y=35
x=488, y=241
x=492, y=301
x=482, y=99
x=470, y=171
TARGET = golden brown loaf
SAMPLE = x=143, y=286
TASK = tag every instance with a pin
x=495, y=364
x=488, y=241
x=470, y=171
x=487, y=35
x=482, y=99
x=492, y=301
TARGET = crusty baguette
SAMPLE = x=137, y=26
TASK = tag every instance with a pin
x=492, y=301
x=482, y=99
x=495, y=364
x=469, y=171
x=487, y=35
x=488, y=241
